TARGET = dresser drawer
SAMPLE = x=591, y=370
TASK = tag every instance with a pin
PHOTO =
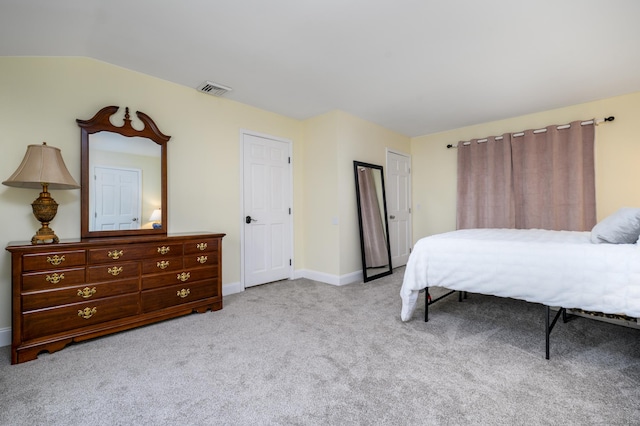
x=182, y=276
x=52, y=279
x=134, y=252
x=113, y=271
x=50, y=321
x=197, y=260
x=58, y=259
x=159, y=265
x=201, y=246
x=177, y=294
x=74, y=294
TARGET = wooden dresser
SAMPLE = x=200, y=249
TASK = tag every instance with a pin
x=77, y=290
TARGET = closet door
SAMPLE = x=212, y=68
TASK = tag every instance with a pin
x=267, y=210
x=399, y=206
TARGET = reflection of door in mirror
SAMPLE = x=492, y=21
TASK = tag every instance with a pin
x=125, y=188
x=116, y=199
x=372, y=218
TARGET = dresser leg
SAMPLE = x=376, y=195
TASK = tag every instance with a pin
x=30, y=353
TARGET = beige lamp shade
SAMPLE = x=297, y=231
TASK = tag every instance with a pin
x=156, y=216
x=42, y=165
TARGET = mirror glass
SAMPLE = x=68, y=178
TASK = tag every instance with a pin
x=372, y=218
x=123, y=177
x=126, y=184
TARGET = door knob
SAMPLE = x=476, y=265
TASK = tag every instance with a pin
x=248, y=219
x=135, y=219
x=392, y=217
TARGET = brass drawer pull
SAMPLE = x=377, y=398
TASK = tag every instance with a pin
x=184, y=276
x=163, y=250
x=202, y=259
x=115, y=271
x=87, y=313
x=163, y=264
x=86, y=292
x=201, y=246
x=115, y=255
x=55, y=278
x=55, y=260
x=183, y=293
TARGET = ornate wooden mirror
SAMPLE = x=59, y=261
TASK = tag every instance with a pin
x=123, y=176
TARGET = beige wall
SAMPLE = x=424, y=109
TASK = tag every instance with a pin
x=617, y=156
x=40, y=99
x=367, y=142
x=320, y=189
x=333, y=141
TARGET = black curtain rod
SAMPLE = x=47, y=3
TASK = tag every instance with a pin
x=610, y=118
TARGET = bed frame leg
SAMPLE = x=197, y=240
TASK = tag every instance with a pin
x=548, y=325
x=427, y=299
x=547, y=330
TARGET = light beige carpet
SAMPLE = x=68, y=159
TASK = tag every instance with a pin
x=306, y=353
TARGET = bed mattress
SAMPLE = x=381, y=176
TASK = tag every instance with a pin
x=554, y=268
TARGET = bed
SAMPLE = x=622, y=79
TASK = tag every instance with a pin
x=595, y=271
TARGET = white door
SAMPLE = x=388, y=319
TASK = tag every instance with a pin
x=399, y=206
x=117, y=200
x=267, y=209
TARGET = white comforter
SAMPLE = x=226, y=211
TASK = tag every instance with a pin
x=555, y=268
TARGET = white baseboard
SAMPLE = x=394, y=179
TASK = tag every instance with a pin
x=338, y=280
x=231, y=288
x=353, y=277
x=5, y=336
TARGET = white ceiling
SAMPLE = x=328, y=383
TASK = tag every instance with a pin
x=413, y=66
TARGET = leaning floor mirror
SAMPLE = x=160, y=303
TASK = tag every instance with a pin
x=372, y=218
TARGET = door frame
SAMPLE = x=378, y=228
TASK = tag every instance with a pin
x=410, y=189
x=289, y=142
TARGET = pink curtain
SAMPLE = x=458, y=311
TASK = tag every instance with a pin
x=543, y=179
x=554, y=178
x=485, y=194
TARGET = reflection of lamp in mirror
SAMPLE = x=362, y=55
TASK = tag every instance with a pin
x=156, y=217
x=43, y=166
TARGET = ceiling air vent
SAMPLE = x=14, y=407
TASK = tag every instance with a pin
x=214, y=89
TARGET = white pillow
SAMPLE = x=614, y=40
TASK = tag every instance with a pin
x=622, y=227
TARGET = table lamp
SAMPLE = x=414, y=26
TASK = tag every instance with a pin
x=43, y=166
x=156, y=217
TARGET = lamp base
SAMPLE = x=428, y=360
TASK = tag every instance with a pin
x=44, y=209
x=45, y=236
